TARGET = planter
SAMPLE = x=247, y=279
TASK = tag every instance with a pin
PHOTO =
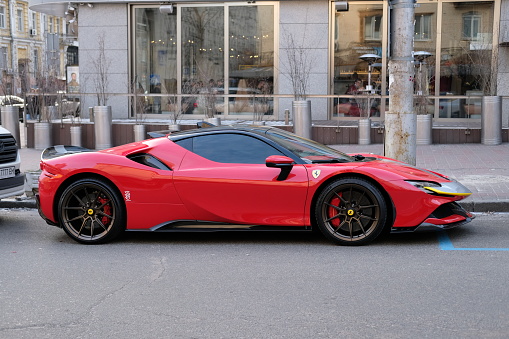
x=42, y=135
x=491, y=120
x=32, y=182
x=49, y=113
x=76, y=136
x=214, y=121
x=174, y=127
x=301, y=110
x=102, y=127
x=10, y=121
x=364, y=131
x=424, y=133
x=139, y=132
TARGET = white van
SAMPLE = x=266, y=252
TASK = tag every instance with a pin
x=12, y=181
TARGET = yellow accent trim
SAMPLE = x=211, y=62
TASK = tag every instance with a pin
x=447, y=193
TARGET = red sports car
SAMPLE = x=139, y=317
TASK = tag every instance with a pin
x=242, y=178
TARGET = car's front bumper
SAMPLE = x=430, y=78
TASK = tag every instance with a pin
x=14, y=186
x=445, y=217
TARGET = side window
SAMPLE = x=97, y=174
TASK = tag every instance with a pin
x=186, y=143
x=233, y=148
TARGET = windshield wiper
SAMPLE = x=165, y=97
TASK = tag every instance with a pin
x=359, y=157
x=329, y=161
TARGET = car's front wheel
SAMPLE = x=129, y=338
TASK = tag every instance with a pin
x=351, y=211
x=91, y=212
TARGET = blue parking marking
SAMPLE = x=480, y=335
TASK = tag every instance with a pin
x=445, y=244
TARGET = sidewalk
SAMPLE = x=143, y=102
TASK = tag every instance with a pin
x=483, y=169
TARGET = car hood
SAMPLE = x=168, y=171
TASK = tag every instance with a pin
x=4, y=131
x=400, y=170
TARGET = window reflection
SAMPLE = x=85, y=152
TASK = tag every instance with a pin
x=206, y=86
x=251, y=55
x=358, y=31
x=156, y=59
x=456, y=74
x=465, y=65
x=466, y=48
x=202, y=57
x=425, y=57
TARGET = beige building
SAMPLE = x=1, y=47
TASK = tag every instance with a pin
x=34, y=47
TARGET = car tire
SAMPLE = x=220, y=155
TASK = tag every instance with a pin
x=351, y=211
x=91, y=212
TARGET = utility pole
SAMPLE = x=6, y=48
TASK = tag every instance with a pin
x=400, y=120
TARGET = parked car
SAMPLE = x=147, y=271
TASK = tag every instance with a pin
x=12, y=181
x=242, y=178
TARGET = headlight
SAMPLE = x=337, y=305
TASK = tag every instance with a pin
x=423, y=185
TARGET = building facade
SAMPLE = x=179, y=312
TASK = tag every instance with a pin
x=33, y=48
x=250, y=60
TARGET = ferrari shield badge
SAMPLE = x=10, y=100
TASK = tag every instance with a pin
x=316, y=173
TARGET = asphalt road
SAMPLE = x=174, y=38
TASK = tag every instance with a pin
x=253, y=285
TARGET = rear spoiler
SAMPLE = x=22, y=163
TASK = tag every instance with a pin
x=60, y=150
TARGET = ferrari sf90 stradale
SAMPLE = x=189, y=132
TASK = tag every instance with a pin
x=242, y=178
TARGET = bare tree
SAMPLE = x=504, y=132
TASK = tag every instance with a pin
x=298, y=64
x=422, y=80
x=101, y=65
x=207, y=89
x=201, y=23
x=45, y=100
x=138, y=103
x=261, y=100
x=178, y=105
x=479, y=63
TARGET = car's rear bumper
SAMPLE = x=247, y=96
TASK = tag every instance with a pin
x=48, y=221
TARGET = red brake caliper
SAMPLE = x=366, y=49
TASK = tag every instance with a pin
x=106, y=209
x=332, y=211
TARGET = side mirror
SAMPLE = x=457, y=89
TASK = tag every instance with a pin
x=282, y=162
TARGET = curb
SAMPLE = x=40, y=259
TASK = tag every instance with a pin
x=18, y=203
x=486, y=206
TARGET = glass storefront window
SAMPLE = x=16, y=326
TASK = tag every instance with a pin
x=424, y=57
x=224, y=54
x=358, y=31
x=202, y=57
x=466, y=55
x=451, y=73
x=251, y=60
x=155, y=67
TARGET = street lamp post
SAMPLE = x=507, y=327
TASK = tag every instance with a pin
x=420, y=57
x=424, y=131
x=365, y=122
x=370, y=59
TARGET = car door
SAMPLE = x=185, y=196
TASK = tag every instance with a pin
x=225, y=179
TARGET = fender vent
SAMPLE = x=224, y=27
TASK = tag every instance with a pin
x=148, y=160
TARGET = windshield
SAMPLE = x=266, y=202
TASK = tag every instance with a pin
x=308, y=150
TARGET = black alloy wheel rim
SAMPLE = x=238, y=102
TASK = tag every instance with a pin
x=88, y=212
x=350, y=212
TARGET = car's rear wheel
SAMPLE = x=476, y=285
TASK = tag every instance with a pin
x=351, y=211
x=91, y=212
